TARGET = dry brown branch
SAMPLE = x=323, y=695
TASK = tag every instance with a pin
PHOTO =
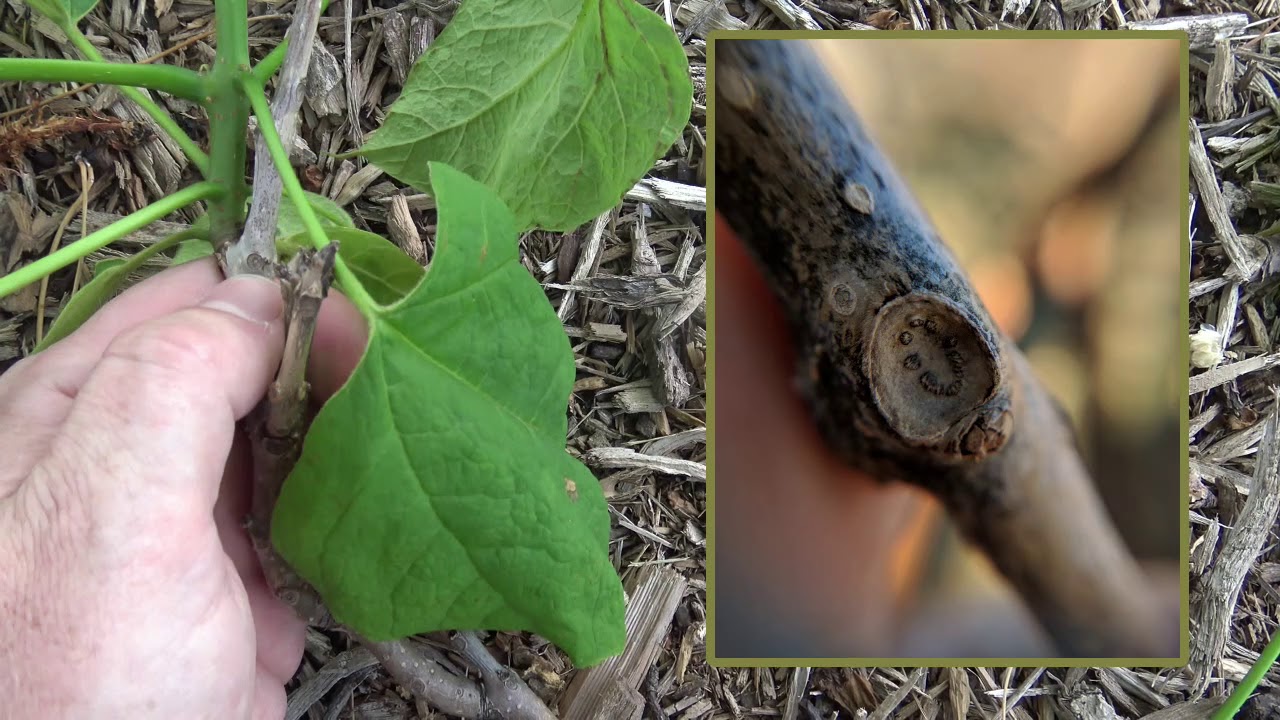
x=614, y=457
x=343, y=665
x=903, y=369
x=260, y=226
x=1245, y=264
x=1203, y=30
x=795, y=693
x=661, y=354
x=279, y=424
x=501, y=693
x=425, y=678
x=504, y=691
x=587, y=258
x=794, y=16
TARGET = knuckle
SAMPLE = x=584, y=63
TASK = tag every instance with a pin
x=173, y=348
x=54, y=505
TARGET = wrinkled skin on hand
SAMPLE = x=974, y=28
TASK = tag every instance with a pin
x=128, y=587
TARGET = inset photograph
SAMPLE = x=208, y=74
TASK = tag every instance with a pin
x=948, y=317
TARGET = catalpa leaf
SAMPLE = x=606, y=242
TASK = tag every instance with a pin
x=65, y=13
x=434, y=491
x=559, y=106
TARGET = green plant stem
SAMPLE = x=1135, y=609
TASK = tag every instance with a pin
x=101, y=238
x=157, y=113
x=228, y=121
x=1250, y=682
x=293, y=188
x=271, y=63
x=165, y=78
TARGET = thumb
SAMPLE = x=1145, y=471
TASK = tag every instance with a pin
x=152, y=425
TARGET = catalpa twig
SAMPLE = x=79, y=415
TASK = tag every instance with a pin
x=903, y=369
x=260, y=226
x=278, y=425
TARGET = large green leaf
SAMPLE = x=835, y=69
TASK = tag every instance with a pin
x=559, y=106
x=434, y=491
x=63, y=12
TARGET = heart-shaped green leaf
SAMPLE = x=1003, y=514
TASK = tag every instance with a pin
x=65, y=13
x=559, y=106
x=434, y=491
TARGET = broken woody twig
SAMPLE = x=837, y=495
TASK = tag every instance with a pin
x=903, y=369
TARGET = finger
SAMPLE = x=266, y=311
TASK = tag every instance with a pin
x=157, y=414
x=774, y=471
x=37, y=393
x=339, y=343
x=174, y=289
x=269, y=699
x=70, y=360
x=280, y=633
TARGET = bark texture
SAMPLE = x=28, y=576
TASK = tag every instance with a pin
x=906, y=375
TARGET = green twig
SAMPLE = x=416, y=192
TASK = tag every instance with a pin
x=271, y=63
x=1250, y=682
x=293, y=188
x=53, y=262
x=165, y=78
x=157, y=113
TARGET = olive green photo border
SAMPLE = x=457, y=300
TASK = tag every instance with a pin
x=1184, y=258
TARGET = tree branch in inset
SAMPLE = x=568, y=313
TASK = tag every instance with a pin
x=905, y=373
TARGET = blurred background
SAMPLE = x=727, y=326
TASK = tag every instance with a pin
x=1053, y=171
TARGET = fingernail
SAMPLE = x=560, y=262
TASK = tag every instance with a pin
x=251, y=297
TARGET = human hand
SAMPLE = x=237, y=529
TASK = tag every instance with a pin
x=130, y=588
x=785, y=505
